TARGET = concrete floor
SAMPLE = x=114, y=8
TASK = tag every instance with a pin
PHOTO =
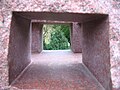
x=57, y=70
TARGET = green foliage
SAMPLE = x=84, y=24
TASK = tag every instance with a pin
x=59, y=37
x=65, y=29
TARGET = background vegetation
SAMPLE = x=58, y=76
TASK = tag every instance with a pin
x=56, y=37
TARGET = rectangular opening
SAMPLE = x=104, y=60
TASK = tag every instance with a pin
x=56, y=36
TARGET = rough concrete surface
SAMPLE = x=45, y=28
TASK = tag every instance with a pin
x=110, y=7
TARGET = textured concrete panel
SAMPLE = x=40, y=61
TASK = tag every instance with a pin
x=96, y=53
x=19, y=46
x=37, y=38
x=76, y=38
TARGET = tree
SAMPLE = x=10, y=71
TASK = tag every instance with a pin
x=65, y=29
x=58, y=40
x=58, y=36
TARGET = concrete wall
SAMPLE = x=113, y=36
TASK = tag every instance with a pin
x=96, y=53
x=19, y=46
x=37, y=41
x=76, y=37
x=110, y=7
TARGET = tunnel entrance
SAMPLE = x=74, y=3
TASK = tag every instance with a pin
x=89, y=35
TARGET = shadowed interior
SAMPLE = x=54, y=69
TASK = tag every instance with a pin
x=95, y=42
x=19, y=46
